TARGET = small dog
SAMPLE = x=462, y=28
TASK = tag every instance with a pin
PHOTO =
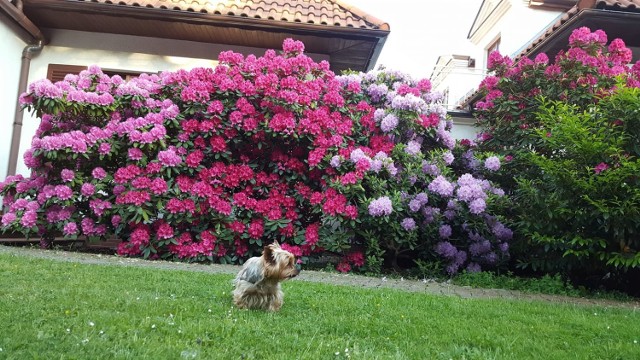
x=257, y=285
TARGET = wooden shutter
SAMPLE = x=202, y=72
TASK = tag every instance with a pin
x=57, y=72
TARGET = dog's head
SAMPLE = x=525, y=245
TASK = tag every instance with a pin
x=279, y=263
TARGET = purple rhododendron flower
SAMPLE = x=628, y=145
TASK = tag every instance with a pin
x=477, y=206
x=409, y=224
x=413, y=147
x=445, y=231
x=389, y=123
x=492, y=163
x=441, y=186
x=380, y=207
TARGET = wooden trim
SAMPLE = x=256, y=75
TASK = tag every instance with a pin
x=57, y=72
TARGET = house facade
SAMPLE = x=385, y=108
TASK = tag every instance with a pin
x=49, y=38
x=525, y=28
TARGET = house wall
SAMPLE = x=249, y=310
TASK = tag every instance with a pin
x=516, y=25
x=463, y=127
x=516, y=29
x=11, y=49
x=121, y=52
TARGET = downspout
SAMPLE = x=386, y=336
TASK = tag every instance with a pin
x=27, y=54
x=31, y=50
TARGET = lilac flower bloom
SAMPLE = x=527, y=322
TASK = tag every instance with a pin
x=477, y=206
x=445, y=231
x=378, y=115
x=504, y=247
x=490, y=258
x=430, y=213
x=449, y=214
x=413, y=148
x=430, y=169
x=502, y=232
x=408, y=224
x=479, y=248
x=473, y=268
x=441, y=186
x=389, y=123
x=335, y=161
x=492, y=163
x=380, y=207
x=445, y=136
x=357, y=155
x=415, y=205
x=446, y=250
x=423, y=198
x=377, y=91
x=376, y=166
x=466, y=179
x=448, y=157
x=391, y=168
x=381, y=156
x=408, y=102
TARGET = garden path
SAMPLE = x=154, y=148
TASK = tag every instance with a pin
x=425, y=286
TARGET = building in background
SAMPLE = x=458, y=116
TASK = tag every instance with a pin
x=525, y=28
x=49, y=38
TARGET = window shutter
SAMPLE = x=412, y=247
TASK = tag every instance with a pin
x=57, y=72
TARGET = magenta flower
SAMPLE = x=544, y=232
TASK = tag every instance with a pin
x=70, y=229
x=169, y=158
x=67, y=175
x=600, y=167
x=99, y=173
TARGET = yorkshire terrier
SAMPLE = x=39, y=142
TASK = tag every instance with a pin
x=257, y=285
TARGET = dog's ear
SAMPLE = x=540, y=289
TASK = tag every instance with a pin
x=267, y=254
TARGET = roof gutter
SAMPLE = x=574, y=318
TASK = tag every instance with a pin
x=34, y=48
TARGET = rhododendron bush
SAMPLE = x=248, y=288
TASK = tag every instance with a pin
x=570, y=131
x=211, y=164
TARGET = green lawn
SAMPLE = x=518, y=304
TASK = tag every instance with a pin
x=59, y=310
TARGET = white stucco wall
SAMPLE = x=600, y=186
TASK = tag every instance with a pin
x=119, y=52
x=463, y=128
x=11, y=49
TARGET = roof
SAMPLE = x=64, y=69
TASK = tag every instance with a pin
x=352, y=38
x=632, y=6
x=626, y=5
x=318, y=12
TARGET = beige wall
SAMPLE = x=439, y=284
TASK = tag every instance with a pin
x=11, y=49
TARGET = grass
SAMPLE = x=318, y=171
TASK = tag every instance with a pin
x=547, y=284
x=59, y=310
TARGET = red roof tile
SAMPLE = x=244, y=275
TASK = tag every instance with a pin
x=318, y=12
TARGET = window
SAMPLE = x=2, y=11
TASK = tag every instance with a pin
x=57, y=72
